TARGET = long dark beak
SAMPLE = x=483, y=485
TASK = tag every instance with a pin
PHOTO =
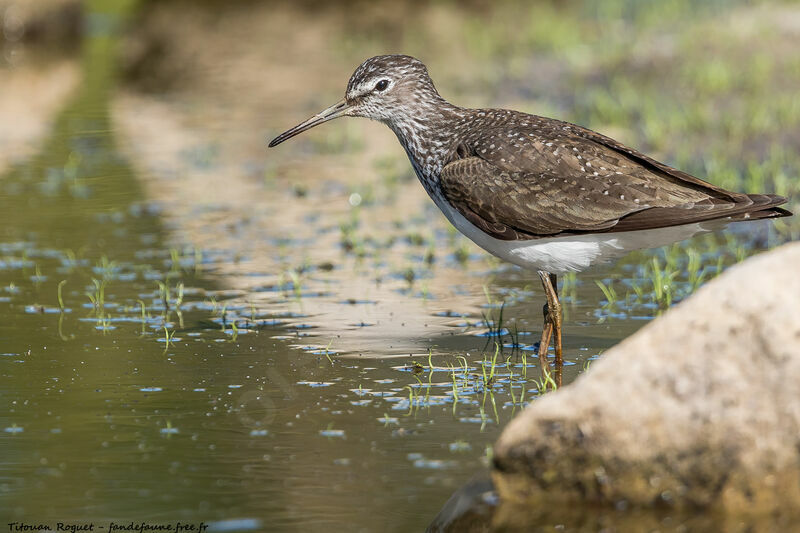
x=336, y=110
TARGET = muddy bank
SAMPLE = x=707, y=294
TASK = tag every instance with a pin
x=36, y=81
x=44, y=92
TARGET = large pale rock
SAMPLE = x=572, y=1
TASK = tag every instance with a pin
x=699, y=408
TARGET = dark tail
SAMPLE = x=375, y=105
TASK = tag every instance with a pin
x=743, y=207
x=764, y=206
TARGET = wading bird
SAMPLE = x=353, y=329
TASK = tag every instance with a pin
x=540, y=193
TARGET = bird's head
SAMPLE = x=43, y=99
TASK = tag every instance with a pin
x=385, y=88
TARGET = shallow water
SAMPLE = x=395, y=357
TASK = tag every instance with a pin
x=305, y=362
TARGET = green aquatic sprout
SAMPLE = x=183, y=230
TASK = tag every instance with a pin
x=179, y=299
x=224, y=317
x=455, y=396
x=515, y=344
x=179, y=314
x=328, y=355
x=198, y=260
x=511, y=384
x=61, y=329
x=545, y=382
x=359, y=249
x=494, y=404
x=234, y=331
x=482, y=409
x=488, y=295
x=346, y=239
x=459, y=446
x=608, y=291
x=175, y=260
x=488, y=380
x=164, y=293
x=98, y=297
x=663, y=283
x=296, y=283
x=168, y=336
x=719, y=266
x=495, y=326
x=107, y=267
x=568, y=281
x=144, y=314
x=60, y=298
x=735, y=246
x=569, y=287
x=415, y=239
x=70, y=167
x=409, y=275
x=350, y=240
x=72, y=259
x=638, y=290
x=410, y=400
x=673, y=255
x=424, y=292
x=428, y=390
x=741, y=252
x=482, y=413
x=455, y=385
x=693, y=268
x=430, y=254
x=461, y=253
x=756, y=175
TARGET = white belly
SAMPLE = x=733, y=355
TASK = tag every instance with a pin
x=559, y=255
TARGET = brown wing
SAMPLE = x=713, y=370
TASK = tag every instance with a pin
x=556, y=178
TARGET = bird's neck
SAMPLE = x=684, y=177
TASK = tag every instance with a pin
x=427, y=133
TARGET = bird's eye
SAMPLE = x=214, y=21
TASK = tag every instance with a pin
x=382, y=85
